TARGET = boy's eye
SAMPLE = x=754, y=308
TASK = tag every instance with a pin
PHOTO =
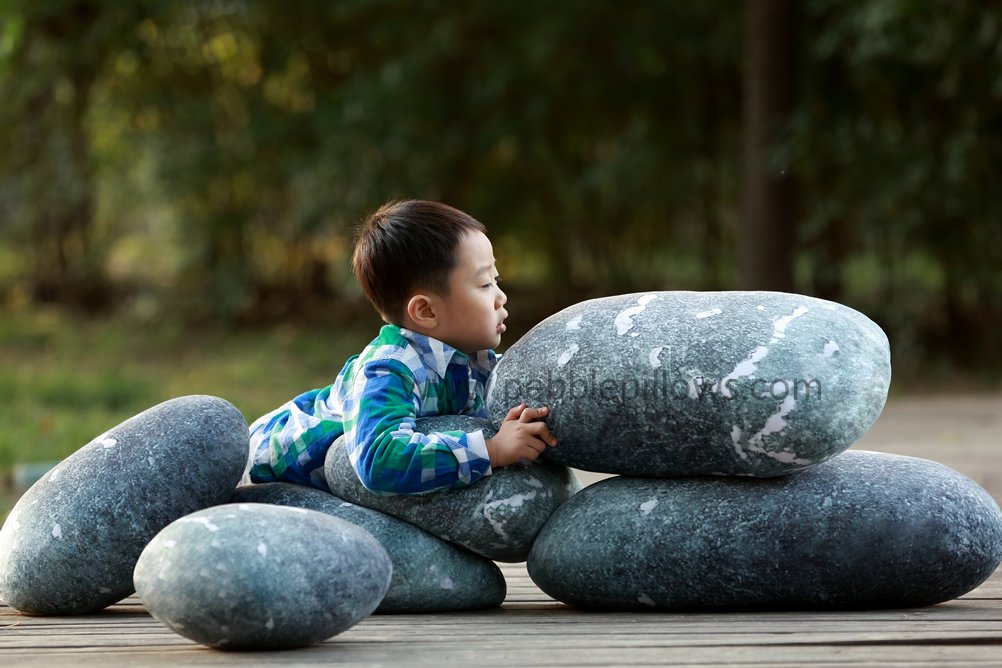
x=497, y=279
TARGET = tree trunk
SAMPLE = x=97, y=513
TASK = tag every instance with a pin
x=765, y=237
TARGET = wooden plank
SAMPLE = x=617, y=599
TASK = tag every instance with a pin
x=512, y=654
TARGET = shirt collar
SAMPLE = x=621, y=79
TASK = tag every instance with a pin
x=434, y=354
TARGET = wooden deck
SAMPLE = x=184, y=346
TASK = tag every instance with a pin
x=531, y=629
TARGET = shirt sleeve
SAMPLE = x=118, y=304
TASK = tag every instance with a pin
x=388, y=455
x=290, y=443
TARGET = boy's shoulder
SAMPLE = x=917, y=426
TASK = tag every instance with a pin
x=389, y=344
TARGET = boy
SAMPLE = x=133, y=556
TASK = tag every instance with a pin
x=429, y=271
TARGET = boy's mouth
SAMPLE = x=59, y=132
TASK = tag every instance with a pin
x=501, y=328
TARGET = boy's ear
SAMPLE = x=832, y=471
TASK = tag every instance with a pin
x=421, y=310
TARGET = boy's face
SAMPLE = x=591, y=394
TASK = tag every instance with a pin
x=471, y=317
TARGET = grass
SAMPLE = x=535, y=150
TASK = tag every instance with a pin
x=65, y=379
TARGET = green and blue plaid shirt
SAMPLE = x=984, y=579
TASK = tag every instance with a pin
x=400, y=376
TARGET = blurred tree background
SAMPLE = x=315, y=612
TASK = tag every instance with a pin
x=187, y=167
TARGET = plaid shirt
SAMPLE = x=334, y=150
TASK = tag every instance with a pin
x=400, y=376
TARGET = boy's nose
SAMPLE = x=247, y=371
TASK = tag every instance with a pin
x=502, y=297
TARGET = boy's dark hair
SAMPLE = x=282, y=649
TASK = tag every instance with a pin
x=407, y=246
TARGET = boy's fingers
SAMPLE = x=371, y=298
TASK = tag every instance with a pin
x=533, y=448
x=514, y=412
x=530, y=414
x=541, y=432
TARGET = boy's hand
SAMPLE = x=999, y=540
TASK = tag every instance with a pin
x=522, y=436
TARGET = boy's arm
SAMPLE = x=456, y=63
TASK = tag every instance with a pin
x=388, y=455
x=289, y=443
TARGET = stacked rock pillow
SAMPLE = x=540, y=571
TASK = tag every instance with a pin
x=497, y=518
x=71, y=542
x=256, y=576
x=124, y=513
x=229, y=566
x=429, y=574
x=724, y=414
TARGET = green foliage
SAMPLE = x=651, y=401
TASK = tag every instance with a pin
x=207, y=161
x=270, y=148
x=897, y=148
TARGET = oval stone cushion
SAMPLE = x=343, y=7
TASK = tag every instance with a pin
x=496, y=517
x=429, y=574
x=70, y=544
x=863, y=529
x=258, y=576
x=690, y=383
